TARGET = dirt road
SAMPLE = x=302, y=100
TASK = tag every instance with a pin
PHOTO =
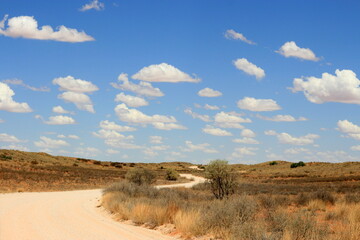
x=71, y=215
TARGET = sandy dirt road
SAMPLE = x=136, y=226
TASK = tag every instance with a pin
x=71, y=215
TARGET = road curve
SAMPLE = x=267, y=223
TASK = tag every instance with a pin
x=70, y=215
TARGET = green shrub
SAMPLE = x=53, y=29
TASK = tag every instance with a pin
x=299, y=164
x=140, y=176
x=171, y=175
x=273, y=163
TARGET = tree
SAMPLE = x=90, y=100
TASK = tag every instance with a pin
x=221, y=178
x=140, y=176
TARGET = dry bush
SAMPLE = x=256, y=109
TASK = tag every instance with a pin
x=316, y=204
x=189, y=223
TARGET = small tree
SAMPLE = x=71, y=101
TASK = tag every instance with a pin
x=140, y=176
x=171, y=174
x=221, y=178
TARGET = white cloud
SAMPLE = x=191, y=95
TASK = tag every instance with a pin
x=204, y=147
x=27, y=27
x=352, y=130
x=290, y=49
x=258, y=105
x=231, y=34
x=21, y=83
x=208, y=92
x=156, y=139
x=355, y=148
x=8, y=104
x=346, y=126
x=71, y=136
x=4, y=137
x=131, y=115
x=216, y=131
x=246, y=140
x=46, y=142
x=107, y=125
x=282, y=118
x=71, y=84
x=112, y=151
x=286, y=138
x=296, y=150
x=270, y=133
x=131, y=101
x=168, y=126
x=87, y=152
x=342, y=87
x=143, y=88
x=204, y=118
x=163, y=73
x=61, y=110
x=240, y=152
x=230, y=120
x=116, y=140
x=244, y=65
x=248, y=133
x=211, y=107
x=15, y=147
x=81, y=100
x=94, y=4
x=60, y=120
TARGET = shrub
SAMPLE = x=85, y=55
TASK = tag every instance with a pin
x=171, y=175
x=324, y=196
x=140, y=176
x=97, y=162
x=299, y=164
x=273, y=163
x=221, y=178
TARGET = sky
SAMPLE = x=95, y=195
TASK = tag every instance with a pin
x=169, y=80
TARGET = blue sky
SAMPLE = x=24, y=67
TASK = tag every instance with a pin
x=152, y=81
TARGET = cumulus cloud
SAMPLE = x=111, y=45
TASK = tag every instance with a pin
x=27, y=27
x=343, y=87
x=240, y=152
x=270, y=132
x=258, y=105
x=282, y=118
x=208, y=92
x=248, y=133
x=131, y=101
x=71, y=136
x=205, y=118
x=94, y=4
x=290, y=49
x=81, y=100
x=16, y=147
x=143, y=88
x=286, y=138
x=60, y=120
x=107, y=125
x=72, y=84
x=204, y=147
x=230, y=120
x=352, y=130
x=46, y=142
x=246, y=140
x=8, y=104
x=61, y=110
x=355, y=148
x=87, y=152
x=163, y=73
x=295, y=151
x=131, y=115
x=21, y=83
x=231, y=34
x=249, y=68
x=211, y=107
x=156, y=139
x=112, y=151
x=216, y=131
x=168, y=126
x=115, y=139
x=4, y=137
